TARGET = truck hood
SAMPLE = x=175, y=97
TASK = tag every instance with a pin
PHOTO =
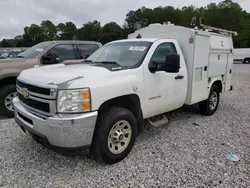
x=60, y=74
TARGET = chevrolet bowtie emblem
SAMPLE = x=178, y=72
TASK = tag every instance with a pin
x=25, y=93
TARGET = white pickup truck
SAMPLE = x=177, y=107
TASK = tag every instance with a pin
x=102, y=103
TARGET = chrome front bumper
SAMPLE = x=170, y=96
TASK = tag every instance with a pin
x=62, y=131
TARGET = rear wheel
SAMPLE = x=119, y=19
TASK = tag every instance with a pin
x=246, y=61
x=115, y=135
x=7, y=94
x=209, y=106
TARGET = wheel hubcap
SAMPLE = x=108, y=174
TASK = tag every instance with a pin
x=213, y=100
x=119, y=137
x=8, y=101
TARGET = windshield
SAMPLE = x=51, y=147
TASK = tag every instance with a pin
x=5, y=54
x=35, y=50
x=126, y=54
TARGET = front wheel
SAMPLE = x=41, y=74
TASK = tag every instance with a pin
x=7, y=94
x=209, y=106
x=115, y=136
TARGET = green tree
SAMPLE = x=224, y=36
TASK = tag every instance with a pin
x=49, y=30
x=5, y=43
x=229, y=15
x=90, y=31
x=27, y=41
x=111, y=31
x=33, y=35
x=18, y=41
x=66, y=31
x=226, y=15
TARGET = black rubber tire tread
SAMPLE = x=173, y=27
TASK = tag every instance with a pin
x=4, y=92
x=245, y=60
x=104, y=123
x=204, y=105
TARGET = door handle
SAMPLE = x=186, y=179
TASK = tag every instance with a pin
x=179, y=77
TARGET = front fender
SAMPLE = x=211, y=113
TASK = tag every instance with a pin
x=116, y=88
x=7, y=75
x=113, y=85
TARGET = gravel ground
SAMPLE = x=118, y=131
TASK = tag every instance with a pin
x=189, y=152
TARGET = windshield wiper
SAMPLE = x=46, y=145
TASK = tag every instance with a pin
x=20, y=56
x=109, y=62
x=87, y=61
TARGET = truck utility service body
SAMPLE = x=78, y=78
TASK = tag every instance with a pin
x=103, y=101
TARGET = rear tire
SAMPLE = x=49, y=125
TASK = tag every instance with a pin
x=116, y=132
x=209, y=106
x=246, y=61
x=7, y=93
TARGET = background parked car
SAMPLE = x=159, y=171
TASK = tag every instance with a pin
x=10, y=54
x=45, y=53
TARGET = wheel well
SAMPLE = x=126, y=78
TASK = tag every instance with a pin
x=246, y=59
x=8, y=80
x=130, y=102
x=218, y=83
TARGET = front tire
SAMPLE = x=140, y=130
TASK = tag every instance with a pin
x=115, y=135
x=7, y=93
x=209, y=106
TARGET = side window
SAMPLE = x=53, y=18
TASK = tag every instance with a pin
x=86, y=49
x=65, y=52
x=163, y=50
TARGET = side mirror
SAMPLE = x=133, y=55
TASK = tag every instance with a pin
x=50, y=58
x=172, y=63
x=86, y=56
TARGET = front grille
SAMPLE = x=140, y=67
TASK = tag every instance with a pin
x=35, y=104
x=25, y=118
x=34, y=89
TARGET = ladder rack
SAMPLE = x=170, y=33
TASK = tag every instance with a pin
x=217, y=29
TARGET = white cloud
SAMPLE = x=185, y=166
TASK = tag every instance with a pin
x=16, y=14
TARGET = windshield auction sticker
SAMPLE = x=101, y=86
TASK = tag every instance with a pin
x=137, y=48
x=39, y=49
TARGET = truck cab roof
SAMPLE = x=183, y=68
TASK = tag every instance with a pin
x=72, y=42
x=138, y=40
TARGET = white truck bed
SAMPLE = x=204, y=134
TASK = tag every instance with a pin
x=207, y=55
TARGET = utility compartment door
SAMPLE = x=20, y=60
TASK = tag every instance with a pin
x=200, y=75
x=220, y=43
x=221, y=46
x=217, y=63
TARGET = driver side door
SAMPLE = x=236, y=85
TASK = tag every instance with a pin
x=164, y=91
x=64, y=51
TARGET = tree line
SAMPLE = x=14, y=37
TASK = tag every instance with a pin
x=226, y=15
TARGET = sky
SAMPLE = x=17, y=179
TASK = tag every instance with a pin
x=16, y=14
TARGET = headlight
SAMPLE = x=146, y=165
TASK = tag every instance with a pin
x=73, y=101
